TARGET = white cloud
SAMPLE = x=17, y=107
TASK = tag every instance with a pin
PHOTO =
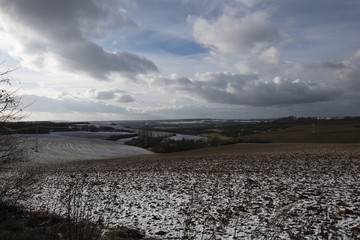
x=230, y=34
x=250, y=90
x=271, y=56
x=349, y=72
x=248, y=3
x=357, y=55
x=67, y=105
x=246, y=38
x=245, y=67
x=345, y=74
x=50, y=34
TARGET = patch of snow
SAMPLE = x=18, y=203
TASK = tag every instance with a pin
x=68, y=147
x=244, y=196
x=180, y=137
x=127, y=139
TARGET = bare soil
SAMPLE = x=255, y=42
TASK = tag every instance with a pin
x=242, y=191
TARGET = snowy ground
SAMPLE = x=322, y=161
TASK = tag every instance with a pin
x=179, y=137
x=84, y=145
x=308, y=194
x=69, y=146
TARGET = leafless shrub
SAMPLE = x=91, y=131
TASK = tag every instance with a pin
x=14, y=179
x=13, y=149
x=10, y=101
x=77, y=208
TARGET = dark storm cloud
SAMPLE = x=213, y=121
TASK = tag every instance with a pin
x=238, y=89
x=62, y=31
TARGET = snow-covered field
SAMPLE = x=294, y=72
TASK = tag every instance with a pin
x=311, y=194
x=69, y=146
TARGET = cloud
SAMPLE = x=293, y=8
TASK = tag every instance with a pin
x=231, y=34
x=114, y=94
x=346, y=73
x=67, y=105
x=350, y=73
x=244, y=67
x=271, y=56
x=331, y=65
x=125, y=98
x=51, y=34
x=250, y=90
x=105, y=95
x=248, y=3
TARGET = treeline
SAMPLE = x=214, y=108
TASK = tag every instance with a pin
x=240, y=130
x=165, y=145
x=116, y=137
x=47, y=127
x=162, y=144
x=43, y=127
x=170, y=146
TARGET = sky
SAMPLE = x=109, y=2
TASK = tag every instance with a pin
x=89, y=60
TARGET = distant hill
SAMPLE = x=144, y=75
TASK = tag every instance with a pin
x=345, y=130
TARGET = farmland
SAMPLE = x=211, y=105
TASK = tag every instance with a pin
x=296, y=187
x=239, y=191
x=79, y=146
